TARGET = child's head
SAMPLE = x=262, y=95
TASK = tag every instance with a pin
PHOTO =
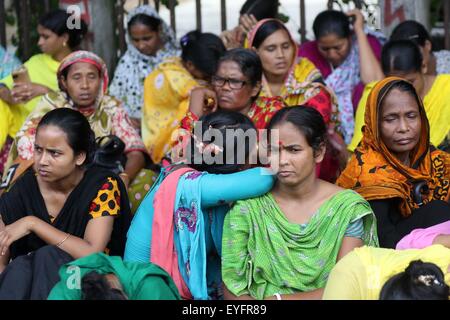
x=420, y=281
x=222, y=142
x=96, y=286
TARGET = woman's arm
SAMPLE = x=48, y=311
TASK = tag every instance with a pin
x=96, y=236
x=5, y=94
x=135, y=162
x=217, y=189
x=348, y=244
x=370, y=69
x=4, y=258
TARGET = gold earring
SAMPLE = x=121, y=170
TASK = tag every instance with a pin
x=64, y=44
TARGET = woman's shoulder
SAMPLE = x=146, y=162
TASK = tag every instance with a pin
x=338, y=194
x=245, y=205
x=442, y=82
x=37, y=58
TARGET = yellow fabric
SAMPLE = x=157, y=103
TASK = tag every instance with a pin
x=166, y=102
x=437, y=107
x=359, y=117
x=42, y=70
x=298, y=85
x=6, y=121
x=361, y=274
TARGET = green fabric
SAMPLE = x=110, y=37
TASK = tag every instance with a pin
x=140, y=281
x=263, y=253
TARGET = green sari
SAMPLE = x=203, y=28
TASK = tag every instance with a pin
x=263, y=253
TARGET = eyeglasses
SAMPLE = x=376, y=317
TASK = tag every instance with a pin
x=234, y=84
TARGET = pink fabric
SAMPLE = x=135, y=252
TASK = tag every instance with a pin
x=163, y=251
x=422, y=238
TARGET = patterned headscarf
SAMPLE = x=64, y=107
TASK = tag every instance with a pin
x=88, y=57
x=375, y=173
x=251, y=35
x=134, y=66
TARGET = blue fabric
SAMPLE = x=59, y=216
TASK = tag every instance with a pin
x=202, y=200
x=355, y=229
x=8, y=63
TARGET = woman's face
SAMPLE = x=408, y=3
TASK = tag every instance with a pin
x=49, y=42
x=334, y=49
x=83, y=84
x=400, y=123
x=416, y=78
x=54, y=159
x=277, y=53
x=147, y=41
x=295, y=157
x=236, y=93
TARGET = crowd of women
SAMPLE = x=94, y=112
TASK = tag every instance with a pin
x=152, y=187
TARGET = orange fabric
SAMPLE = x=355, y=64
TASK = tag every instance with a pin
x=163, y=252
x=375, y=173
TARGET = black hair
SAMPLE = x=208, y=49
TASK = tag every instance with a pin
x=420, y=281
x=248, y=61
x=95, y=286
x=411, y=30
x=261, y=9
x=56, y=21
x=232, y=127
x=267, y=29
x=401, y=55
x=80, y=136
x=152, y=23
x=331, y=22
x=203, y=50
x=307, y=120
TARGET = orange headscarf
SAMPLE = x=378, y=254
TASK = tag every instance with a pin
x=375, y=173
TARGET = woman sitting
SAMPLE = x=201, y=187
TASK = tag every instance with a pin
x=150, y=42
x=403, y=59
x=56, y=41
x=83, y=79
x=348, y=57
x=435, y=62
x=167, y=89
x=283, y=244
x=404, y=178
x=236, y=86
x=179, y=224
x=369, y=273
x=20, y=92
x=60, y=210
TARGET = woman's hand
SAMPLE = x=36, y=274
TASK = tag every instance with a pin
x=203, y=101
x=24, y=92
x=14, y=232
x=247, y=22
x=358, y=24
